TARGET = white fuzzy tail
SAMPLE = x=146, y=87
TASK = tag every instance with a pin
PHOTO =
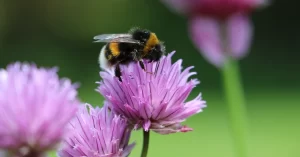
x=103, y=62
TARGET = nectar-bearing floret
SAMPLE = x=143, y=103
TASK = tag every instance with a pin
x=35, y=106
x=153, y=101
x=97, y=132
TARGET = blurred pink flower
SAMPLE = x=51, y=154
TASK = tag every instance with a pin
x=153, y=101
x=97, y=133
x=35, y=107
x=219, y=28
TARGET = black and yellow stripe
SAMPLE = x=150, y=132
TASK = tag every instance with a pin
x=151, y=42
x=114, y=48
x=112, y=51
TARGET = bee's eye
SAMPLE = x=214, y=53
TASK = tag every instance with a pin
x=146, y=34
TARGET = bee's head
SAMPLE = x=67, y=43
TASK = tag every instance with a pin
x=141, y=35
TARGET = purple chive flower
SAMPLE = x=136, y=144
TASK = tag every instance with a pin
x=35, y=106
x=219, y=28
x=97, y=133
x=153, y=101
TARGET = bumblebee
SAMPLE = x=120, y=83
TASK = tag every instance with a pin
x=136, y=45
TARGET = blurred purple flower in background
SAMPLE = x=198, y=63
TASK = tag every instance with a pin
x=153, y=101
x=35, y=106
x=219, y=28
x=97, y=133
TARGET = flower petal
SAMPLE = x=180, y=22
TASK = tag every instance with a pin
x=239, y=35
x=147, y=125
x=128, y=150
x=206, y=35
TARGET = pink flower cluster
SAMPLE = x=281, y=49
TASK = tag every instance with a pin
x=35, y=105
x=219, y=28
x=96, y=133
x=39, y=111
x=153, y=101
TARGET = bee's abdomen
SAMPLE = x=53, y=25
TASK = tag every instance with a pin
x=126, y=54
x=110, y=54
x=112, y=51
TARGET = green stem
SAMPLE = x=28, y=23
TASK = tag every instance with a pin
x=236, y=104
x=145, y=143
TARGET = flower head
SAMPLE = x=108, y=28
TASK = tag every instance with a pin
x=35, y=106
x=153, y=101
x=219, y=28
x=97, y=133
x=214, y=8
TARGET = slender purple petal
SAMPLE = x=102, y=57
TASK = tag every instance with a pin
x=239, y=33
x=205, y=32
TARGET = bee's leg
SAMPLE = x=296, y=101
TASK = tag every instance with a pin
x=118, y=72
x=143, y=67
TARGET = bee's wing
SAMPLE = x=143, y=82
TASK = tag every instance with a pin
x=118, y=38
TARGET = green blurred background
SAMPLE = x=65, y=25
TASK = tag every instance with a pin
x=59, y=33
